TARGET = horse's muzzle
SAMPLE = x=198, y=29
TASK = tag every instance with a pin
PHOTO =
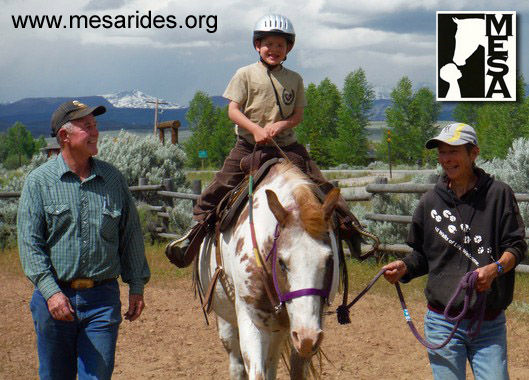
x=306, y=341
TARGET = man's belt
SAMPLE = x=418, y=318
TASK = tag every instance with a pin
x=83, y=283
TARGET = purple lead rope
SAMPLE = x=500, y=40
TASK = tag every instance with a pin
x=467, y=283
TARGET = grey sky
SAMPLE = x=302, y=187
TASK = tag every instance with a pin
x=387, y=38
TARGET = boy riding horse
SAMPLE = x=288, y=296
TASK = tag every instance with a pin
x=266, y=103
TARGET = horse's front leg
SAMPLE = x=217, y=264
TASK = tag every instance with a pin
x=229, y=336
x=254, y=343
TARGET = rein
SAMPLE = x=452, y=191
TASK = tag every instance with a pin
x=467, y=284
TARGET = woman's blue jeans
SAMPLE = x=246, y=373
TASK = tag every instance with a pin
x=85, y=346
x=487, y=353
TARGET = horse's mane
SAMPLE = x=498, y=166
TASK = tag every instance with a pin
x=311, y=213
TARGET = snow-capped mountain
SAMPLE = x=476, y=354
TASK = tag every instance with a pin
x=137, y=99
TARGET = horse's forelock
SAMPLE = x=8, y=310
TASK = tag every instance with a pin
x=311, y=213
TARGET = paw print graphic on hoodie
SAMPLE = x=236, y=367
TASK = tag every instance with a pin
x=449, y=227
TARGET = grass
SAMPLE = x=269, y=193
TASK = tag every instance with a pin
x=162, y=271
x=360, y=274
x=205, y=176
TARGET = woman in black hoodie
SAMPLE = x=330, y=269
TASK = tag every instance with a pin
x=468, y=222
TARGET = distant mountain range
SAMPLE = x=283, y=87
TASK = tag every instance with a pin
x=128, y=111
x=131, y=110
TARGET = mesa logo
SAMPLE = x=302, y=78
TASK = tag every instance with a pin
x=476, y=56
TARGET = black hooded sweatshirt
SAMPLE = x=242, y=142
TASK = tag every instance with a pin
x=451, y=236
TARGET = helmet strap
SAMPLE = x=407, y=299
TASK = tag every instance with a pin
x=268, y=66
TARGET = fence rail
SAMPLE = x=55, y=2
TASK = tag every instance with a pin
x=165, y=191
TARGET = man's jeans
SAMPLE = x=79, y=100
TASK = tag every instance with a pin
x=86, y=345
x=487, y=353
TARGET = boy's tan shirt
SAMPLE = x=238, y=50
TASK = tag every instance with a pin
x=250, y=87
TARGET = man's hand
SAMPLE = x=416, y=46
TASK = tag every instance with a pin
x=136, y=305
x=394, y=271
x=60, y=308
x=486, y=275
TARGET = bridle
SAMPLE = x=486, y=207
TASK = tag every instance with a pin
x=284, y=297
x=281, y=297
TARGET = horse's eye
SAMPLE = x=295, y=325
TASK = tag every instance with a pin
x=282, y=265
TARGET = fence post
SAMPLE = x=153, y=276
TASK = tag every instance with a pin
x=140, y=195
x=168, y=185
x=196, y=187
x=383, y=180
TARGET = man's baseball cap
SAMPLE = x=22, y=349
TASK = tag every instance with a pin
x=72, y=110
x=454, y=134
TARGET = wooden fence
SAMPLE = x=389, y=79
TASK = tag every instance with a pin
x=165, y=191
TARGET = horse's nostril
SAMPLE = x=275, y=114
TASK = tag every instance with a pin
x=307, y=342
x=295, y=338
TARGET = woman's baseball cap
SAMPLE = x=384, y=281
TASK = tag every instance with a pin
x=454, y=134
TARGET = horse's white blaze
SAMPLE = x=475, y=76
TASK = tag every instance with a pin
x=305, y=258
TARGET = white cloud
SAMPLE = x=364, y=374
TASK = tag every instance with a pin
x=334, y=37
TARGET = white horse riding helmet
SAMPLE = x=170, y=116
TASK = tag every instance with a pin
x=274, y=24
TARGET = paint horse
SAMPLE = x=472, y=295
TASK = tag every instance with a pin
x=260, y=302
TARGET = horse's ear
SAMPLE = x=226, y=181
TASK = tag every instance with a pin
x=330, y=202
x=456, y=20
x=276, y=207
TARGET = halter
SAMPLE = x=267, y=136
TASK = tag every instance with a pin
x=284, y=297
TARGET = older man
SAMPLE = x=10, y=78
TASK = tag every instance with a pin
x=78, y=230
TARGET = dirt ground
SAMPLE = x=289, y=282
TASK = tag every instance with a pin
x=171, y=340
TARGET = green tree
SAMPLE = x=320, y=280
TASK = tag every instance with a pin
x=466, y=112
x=320, y=118
x=499, y=123
x=200, y=116
x=411, y=119
x=424, y=111
x=17, y=146
x=398, y=120
x=212, y=130
x=351, y=144
x=303, y=130
x=222, y=138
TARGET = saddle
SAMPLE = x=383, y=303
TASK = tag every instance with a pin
x=233, y=202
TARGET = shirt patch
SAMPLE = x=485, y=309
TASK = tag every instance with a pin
x=288, y=97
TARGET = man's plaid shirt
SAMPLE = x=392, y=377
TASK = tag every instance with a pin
x=69, y=229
